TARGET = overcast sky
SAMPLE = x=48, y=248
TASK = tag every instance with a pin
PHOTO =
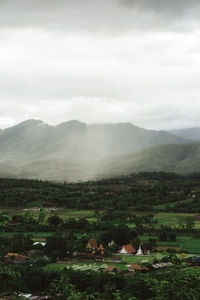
x=105, y=61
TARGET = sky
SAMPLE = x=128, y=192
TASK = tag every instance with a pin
x=100, y=61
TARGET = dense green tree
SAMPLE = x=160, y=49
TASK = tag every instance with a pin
x=20, y=242
x=172, y=236
x=121, y=235
x=56, y=244
x=189, y=223
x=54, y=220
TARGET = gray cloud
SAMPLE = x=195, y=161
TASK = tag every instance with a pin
x=173, y=7
x=103, y=16
x=100, y=61
x=156, y=115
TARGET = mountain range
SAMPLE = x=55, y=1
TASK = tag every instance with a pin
x=77, y=151
x=192, y=134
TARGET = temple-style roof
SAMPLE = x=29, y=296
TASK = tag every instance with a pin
x=129, y=249
x=92, y=244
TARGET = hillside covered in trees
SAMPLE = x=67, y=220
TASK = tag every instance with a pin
x=154, y=191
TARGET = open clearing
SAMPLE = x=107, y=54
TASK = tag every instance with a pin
x=126, y=261
x=175, y=219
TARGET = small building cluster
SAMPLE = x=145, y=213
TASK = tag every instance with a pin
x=92, y=245
x=125, y=249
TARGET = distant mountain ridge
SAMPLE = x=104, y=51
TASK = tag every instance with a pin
x=76, y=151
x=192, y=134
x=178, y=158
x=34, y=139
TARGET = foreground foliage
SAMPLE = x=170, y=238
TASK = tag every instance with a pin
x=142, y=192
x=174, y=283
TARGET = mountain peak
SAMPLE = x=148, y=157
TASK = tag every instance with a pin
x=29, y=123
x=71, y=123
x=34, y=146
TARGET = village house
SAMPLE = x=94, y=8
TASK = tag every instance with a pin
x=15, y=258
x=128, y=249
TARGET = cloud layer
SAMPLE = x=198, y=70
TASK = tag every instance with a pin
x=100, y=61
x=103, y=16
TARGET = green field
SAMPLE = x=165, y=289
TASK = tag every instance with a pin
x=169, y=219
x=126, y=261
x=148, y=259
x=171, y=204
x=84, y=266
x=77, y=214
x=187, y=243
x=141, y=259
x=174, y=219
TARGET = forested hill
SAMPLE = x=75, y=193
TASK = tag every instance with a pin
x=182, y=159
x=34, y=139
x=75, y=151
x=71, y=150
x=154, y=191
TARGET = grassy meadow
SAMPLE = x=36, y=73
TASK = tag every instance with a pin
x=175, y=219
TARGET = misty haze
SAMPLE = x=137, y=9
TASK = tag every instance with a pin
x=76, y=151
